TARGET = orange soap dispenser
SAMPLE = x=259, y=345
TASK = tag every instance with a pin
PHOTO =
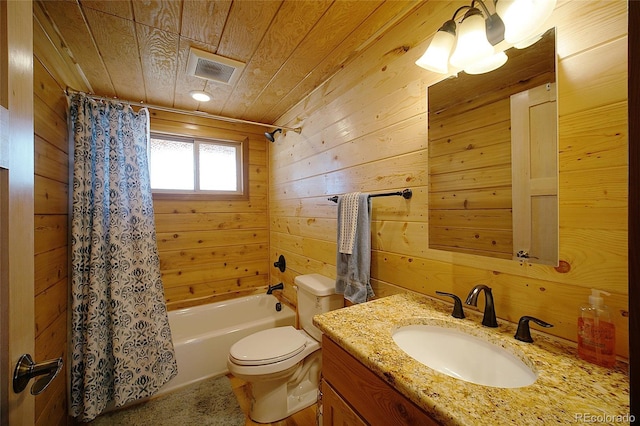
x=596, y=332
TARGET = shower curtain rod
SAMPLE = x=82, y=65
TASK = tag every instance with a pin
x=69, y=91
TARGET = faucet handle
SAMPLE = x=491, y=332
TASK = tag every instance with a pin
x=523, y=333
x=458, y=312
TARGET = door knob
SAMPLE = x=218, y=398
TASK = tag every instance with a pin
x=26, y=369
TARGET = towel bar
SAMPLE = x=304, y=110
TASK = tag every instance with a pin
x=406, y=194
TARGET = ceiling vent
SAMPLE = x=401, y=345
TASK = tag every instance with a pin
x=213, y=67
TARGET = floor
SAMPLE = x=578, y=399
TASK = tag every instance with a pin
x=306, y=417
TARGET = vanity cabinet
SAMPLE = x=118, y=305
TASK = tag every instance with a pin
x=352, y=395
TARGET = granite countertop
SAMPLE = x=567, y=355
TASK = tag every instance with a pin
x=568, y=389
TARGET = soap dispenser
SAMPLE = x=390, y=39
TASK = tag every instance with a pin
x=596, y=332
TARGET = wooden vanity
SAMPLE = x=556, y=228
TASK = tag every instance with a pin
x=369, y=380
x=353, y=395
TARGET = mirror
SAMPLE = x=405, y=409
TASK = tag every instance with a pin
x=493, y=159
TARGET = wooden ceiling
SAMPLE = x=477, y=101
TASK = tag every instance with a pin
x=137, y=50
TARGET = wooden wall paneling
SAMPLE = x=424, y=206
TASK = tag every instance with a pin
x=48, y=46
x=582, y=26
x=340, y=115
x=50, y=304
x=370, y=68
x=593, y=78
x=212, y=291
x=53, y=71
x=495, y=198
x=205, y=221
x=387, y=14
x=403, y=137
x=209, y=238
x=595, y=138
x=495, y=177
x=51, y=196
x=50, y=125
x=340, y=19
x=51, y=162
x=321, y=250
x=217, y=272
x=47, y=88
x=479, y=138
x=73, y=29
x=202, y=256
x=51, y=232
x=214, y=249
x=397, y=172
x=50, y=408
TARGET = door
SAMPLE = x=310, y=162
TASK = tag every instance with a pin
x=534, y=172
x=16, y=205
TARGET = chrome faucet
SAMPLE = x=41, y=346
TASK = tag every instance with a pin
x=489, y=318
x=279, y=286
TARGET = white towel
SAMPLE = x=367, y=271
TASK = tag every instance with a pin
x=349, y=222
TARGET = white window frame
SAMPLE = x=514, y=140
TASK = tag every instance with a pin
x=242, y=166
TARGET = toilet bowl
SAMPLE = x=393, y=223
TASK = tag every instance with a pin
x=283, y=364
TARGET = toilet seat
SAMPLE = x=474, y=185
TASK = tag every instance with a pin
x=268, y=346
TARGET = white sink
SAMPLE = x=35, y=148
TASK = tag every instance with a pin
x=463, y=356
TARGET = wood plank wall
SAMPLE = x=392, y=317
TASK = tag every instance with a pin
x=365, y=130
x=214, y=250
x=51, y=74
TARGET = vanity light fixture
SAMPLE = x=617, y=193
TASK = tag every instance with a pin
x=470, y=44
x=200, y=96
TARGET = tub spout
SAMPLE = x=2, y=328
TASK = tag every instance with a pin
x=279, y=286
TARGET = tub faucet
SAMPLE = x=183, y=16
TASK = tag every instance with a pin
x=489, y=318
x=279, y=286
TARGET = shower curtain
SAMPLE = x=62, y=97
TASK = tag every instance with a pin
x=121, y=347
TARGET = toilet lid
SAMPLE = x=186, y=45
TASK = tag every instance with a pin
x=268, y=346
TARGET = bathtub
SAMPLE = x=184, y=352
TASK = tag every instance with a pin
x=203, y=335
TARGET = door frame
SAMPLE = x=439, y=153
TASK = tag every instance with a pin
x=634, y=206
x=17, y=242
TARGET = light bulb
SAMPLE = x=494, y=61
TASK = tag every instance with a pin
x=472, y=42
x=489, y=64
x=436, y=58
x=523, y=19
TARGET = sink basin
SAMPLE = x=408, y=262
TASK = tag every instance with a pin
x=463, y=356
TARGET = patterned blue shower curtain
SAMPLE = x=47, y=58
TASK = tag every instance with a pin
x=121, y=347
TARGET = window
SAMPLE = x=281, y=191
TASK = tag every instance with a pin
x=180, y=165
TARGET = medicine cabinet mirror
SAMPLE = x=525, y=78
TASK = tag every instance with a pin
x=493, y=159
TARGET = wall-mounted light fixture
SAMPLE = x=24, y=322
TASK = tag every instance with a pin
x=471, y=43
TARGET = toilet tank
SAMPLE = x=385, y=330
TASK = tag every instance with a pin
x=316, y=295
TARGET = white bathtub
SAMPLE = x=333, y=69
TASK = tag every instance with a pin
x=203, y=335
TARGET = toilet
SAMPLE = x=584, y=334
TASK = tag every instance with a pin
x=283, y=364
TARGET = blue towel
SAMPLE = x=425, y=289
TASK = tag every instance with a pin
x=354, y=270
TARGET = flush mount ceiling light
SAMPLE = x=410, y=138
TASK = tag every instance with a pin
x=200, y=96
x=470, y=43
